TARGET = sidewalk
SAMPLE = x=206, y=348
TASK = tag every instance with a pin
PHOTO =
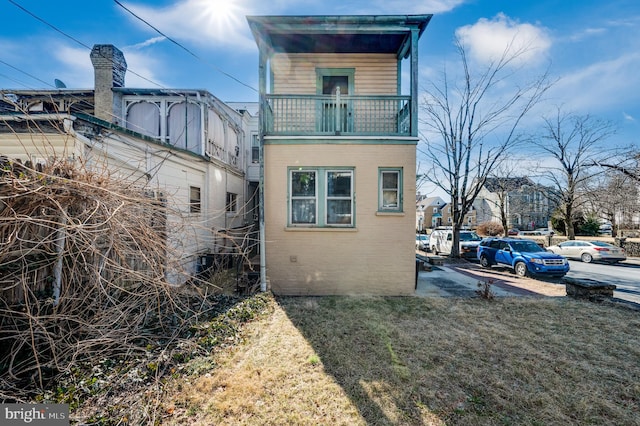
x=460, y=279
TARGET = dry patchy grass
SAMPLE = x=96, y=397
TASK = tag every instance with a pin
x=411, y=361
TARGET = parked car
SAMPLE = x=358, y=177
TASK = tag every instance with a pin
x=529, y=233
x=588, y=251
x=525, y=257
x=513, y=231
x=605, y=229
x=440, y=242
x=422, y=242
x=545, y=231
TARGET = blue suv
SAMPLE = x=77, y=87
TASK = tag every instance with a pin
x=525, y=257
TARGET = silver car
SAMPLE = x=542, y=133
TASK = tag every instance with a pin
x=588, y=251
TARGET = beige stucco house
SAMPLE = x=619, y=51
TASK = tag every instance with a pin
x=338, y=137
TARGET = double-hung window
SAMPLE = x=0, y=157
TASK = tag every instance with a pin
x=390, y=189
x=321, y=197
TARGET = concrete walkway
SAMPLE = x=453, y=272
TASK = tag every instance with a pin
x=444, y=281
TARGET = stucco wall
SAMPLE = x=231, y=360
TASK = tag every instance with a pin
x=377, y=256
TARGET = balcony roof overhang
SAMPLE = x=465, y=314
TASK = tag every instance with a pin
x=337, y=34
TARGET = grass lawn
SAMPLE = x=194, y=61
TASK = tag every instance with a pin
x=415, y=361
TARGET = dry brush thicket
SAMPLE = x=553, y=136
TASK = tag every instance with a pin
x=83, y=266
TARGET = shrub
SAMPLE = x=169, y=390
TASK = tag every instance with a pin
x=490, y=228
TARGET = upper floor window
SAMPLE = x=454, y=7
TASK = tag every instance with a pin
x=321, y=197
x=144, y=117
x=435, y=210
x=184, y=126
x=390, y=189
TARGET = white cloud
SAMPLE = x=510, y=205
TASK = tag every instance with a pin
x=601, y=85
x=489, y=39
x=628, y=117
x=218, y=23
x=146, y=43
x=75, y=67
x=586, y=33
x=76, y=71
x=413, y=7
x=141, y=70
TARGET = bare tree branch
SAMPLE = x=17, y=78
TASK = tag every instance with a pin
x=471, y=127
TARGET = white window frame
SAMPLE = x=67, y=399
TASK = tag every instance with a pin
x=195, y=203
x=398, y=189
x=321, y=197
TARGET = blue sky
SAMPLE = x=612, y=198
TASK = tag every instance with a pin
x=591, y=46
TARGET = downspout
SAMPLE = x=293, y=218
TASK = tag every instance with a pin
x=262, y=130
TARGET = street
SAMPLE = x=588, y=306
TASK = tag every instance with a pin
x=626, y=276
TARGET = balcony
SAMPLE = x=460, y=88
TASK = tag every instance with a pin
x=332, y=115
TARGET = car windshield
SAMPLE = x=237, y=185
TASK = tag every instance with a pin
x=469, y=236
x=526, y=246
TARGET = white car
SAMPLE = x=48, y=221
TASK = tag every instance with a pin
x=422, y=242
x=544, y=231
x=588, y=251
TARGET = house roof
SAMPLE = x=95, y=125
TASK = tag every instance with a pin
x=337, y=34
x=432, y=202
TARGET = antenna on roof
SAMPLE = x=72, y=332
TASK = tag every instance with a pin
x=59, y=84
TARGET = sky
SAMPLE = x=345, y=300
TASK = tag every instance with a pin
x=591, y=48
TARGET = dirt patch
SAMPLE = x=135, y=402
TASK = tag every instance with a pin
x=505, y=279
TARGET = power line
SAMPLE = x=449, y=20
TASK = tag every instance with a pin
x=24, y=72
x=184, y=48
x=78, y=41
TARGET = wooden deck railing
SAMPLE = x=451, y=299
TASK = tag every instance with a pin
x=338, y=115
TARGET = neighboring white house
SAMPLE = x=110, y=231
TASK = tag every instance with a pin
x=185, y=146
x=526, y=204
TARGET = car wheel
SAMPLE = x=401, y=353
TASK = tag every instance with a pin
x=484, y=261
x=520, y=269
x=434, y=251
x=586, y=258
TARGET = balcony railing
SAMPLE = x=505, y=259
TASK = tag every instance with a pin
x=338, y=115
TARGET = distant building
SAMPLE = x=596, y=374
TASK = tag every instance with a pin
x=526, y=204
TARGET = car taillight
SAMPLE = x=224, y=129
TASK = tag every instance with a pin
x=601, y=249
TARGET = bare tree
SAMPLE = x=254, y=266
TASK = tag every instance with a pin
x=628, y=164
x=471, y=125
x=574, y=144
x=612, y=196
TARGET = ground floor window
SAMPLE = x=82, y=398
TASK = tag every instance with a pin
x=194, y=199
x=390, y=189
x=232, y=200
x=321, y=196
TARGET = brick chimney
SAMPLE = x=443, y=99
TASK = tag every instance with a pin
x=109, y=69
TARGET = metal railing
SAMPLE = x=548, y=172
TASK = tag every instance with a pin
x=338, y=115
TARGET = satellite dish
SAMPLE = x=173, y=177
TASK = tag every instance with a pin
x=59, y=84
